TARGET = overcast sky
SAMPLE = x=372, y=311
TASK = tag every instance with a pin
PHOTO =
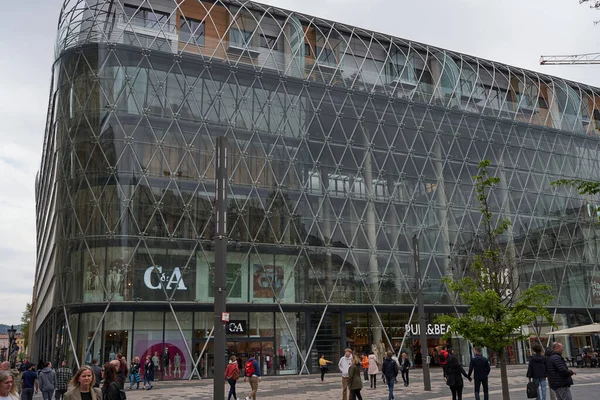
x=515, y=32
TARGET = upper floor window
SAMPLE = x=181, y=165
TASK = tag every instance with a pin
x=269, y=42
x=339, y=184
x=145, y=17
x=191, y=30
x=241, y=38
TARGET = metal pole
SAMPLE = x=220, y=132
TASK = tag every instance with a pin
x=220, y=265
x=422, y=323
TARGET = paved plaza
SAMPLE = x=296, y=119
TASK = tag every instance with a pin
x=309, y=387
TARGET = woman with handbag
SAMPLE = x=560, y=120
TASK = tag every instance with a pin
x=373, y=370
x=453, y=376
x=134, y=374
x=149, y=369
x=232, y=374
x=323, y=367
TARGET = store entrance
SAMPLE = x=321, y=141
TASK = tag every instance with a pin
x=241, y=348
x=434, y=346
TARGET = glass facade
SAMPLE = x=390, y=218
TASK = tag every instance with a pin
x=343, y=144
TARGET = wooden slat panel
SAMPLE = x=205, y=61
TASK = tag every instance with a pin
x=215, y=26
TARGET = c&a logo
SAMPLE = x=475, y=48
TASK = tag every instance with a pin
x=155, y=273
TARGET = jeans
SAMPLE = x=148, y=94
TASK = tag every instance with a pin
x=231, y=389
x=540, y=385
x=27, y=394
x=366, y=372
x=58, y=394
x=563, y=393
x=390, y=383
x=405, y=376
x=47, y=394
x=147, y=381
x=483, y=383
x=133, y=382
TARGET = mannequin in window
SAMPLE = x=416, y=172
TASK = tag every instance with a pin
x=166, y=361
x=177, y=366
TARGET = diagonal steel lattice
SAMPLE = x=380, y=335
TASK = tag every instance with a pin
x=344, y=143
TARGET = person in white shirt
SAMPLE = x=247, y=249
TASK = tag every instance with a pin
x=344, y=365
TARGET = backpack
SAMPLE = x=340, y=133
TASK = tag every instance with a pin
x=236, y=374
x=442, y=357
x=250, y=368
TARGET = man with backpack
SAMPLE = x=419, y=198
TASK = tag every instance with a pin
x=443, y=359
x=252, y=370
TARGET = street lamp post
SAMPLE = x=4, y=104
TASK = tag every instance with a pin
x=220, y=266
x=11, y=345
x=422, y=324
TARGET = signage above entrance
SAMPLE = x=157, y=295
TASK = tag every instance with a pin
x=236, y=327
x=432, y=329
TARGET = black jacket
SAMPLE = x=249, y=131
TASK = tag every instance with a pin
x=454, y=372
x=537, y=367
x=111, y=392
x=558, y=373
x=481, y=366
x=389, y=368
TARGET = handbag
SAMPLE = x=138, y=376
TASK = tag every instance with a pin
x=531, y=390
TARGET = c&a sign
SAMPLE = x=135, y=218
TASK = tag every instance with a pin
x=155, y=279
x=236, y=327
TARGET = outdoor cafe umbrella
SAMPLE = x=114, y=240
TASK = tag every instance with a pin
x=579, y=330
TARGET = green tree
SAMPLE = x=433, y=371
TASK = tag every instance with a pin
x=582, y=186
x=496, y=306
x=25, y=321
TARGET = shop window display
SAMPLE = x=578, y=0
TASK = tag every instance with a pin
x=117, y=338
x=148, y=338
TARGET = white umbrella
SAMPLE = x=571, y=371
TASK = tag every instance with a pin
x=579, y=330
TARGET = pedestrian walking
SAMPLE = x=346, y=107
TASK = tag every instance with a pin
x=480, y=367
x=5, y=366
x=354, y=379
x=63, y=375
x=7, y=381
x=122, y=371
x=97, y=370
x=364, y=360
x=344, y=365
x=111, y=389
x=453, y=375
x=149, y=369
x=252, y=370
x=82, y=386
x=47, y=378
x=443, y=359
x=373, y=370
x=559, y=376
x=537, y=371
x=395, y=359
x=323, y=367
x=404, y=367
x=29, y=382
x=232, y=374
x=390, y=371
x=134, y=374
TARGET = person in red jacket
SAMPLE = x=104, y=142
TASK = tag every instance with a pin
x=232, y=373
x=443, y=359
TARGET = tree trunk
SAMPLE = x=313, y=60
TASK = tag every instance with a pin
x=503, y=375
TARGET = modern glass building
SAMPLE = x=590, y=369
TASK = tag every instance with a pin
x=343, y=144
